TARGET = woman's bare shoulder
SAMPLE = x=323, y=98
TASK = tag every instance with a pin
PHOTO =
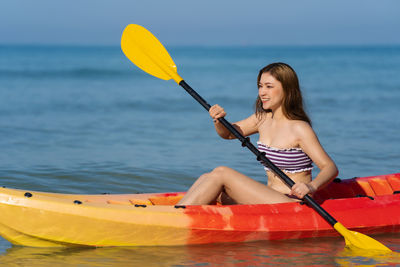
x=300, y=125
x=301, y=129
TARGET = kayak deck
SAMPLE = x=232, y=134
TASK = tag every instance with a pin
x=348, y=188
x=369, y=205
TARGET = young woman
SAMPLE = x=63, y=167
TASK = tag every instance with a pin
x=287, y=139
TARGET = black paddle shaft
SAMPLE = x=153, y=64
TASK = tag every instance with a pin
x=260, y=155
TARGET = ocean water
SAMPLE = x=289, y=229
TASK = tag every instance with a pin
x=86, y=120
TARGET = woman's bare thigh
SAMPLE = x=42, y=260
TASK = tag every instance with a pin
x=245, y=190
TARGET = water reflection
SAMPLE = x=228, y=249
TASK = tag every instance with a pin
x=315, y=252
x=27, y=256
x=347, y=257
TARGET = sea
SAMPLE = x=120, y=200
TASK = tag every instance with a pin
x=85, y=120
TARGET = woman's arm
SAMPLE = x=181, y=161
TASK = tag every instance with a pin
x=246, y=127
x=310, y=144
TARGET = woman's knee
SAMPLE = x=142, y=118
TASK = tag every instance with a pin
x=216, y=175
x=219, y=174
x=221, y=170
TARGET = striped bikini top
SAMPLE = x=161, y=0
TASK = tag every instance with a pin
x=290, y=160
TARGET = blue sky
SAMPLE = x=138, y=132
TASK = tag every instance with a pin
x=205, y=22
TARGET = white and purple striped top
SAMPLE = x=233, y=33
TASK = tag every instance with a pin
x=289, y=160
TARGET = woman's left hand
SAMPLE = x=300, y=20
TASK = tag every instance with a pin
x=301, y=189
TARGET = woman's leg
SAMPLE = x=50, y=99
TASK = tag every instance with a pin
x=202, y=192
x=222, y=198
x=239, y=187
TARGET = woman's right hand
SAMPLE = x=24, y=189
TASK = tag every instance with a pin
x=217, y=112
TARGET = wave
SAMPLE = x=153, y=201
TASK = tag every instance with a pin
x=69, y=73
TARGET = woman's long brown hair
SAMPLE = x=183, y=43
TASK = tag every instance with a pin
x=292, y=106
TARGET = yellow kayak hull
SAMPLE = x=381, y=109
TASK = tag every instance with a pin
x=48, y=220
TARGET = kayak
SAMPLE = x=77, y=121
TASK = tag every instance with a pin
x=370, y=205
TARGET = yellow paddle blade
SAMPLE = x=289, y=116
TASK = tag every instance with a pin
x=358, y=240
x=145, y=51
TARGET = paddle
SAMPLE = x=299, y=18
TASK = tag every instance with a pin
x=144, y=50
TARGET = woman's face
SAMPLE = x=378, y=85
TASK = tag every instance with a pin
x=270, y=91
